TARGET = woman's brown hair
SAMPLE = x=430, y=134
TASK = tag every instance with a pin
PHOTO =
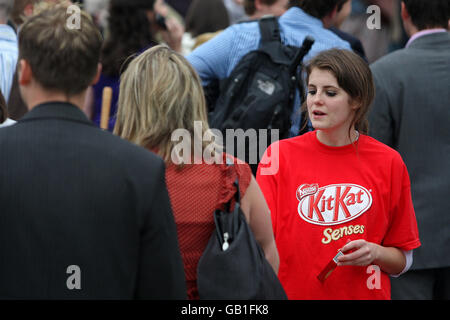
x=353, y=75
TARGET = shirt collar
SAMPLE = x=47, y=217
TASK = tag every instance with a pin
x=295, y=14
x=56, y=110
x=423, y=33
x=7, y=33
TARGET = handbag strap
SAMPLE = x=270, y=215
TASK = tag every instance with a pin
x=231, y=226
x=237, y=203
x=237, y=195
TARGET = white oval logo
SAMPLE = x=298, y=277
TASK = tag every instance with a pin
x=334, y=204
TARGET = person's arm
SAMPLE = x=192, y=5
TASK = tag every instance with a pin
x=211, y=59
x=260, y=222
x=382, y=124
x=161, y=272
x=390, y=259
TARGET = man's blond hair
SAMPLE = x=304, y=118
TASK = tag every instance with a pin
x=61, y=58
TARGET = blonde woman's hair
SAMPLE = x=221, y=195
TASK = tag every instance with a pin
x=160, y=92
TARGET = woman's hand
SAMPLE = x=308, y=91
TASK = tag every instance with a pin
x=174, y=34
x=364, y=253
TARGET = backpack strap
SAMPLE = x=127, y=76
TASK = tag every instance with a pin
x=269, y=28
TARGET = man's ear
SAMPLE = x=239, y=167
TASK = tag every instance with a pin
x=404, y=12
x=97, y=75
x=25, y=74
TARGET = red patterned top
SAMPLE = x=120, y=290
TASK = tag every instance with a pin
x=195, y=191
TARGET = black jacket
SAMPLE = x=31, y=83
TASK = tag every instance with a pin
x=74, y=195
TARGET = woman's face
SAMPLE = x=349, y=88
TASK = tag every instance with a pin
x=329, y=106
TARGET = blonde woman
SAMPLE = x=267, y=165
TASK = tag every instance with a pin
x=160, y=93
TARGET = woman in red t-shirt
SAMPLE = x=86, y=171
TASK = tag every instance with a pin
x=162, y=107
x=340, y=201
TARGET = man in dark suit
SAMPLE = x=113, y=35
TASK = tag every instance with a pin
x=83, y=214
x=411, y=114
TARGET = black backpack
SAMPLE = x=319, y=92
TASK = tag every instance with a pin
x=260, y=91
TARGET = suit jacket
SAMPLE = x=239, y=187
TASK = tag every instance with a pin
x=83, y=213
x=411, y=113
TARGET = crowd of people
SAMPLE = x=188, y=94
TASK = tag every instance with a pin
x=363, y=189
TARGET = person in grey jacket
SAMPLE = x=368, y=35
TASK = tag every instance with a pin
x=411, y=114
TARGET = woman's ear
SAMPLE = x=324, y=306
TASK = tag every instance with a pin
x=355, y=103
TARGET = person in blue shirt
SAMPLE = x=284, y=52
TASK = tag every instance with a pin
x=215, y=59
x=8, y=49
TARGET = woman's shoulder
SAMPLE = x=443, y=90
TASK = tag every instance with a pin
x=224, y=172
x=242, y=169
x=373, y=144
x=379, y=150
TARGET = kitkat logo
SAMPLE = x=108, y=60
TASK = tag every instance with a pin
x=332, y=204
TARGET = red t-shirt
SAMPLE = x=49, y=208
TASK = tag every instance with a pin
x=321, y=197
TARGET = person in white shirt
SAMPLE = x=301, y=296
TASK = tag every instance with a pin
x=4, y=120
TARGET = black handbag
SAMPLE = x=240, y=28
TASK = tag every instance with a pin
x=233, y=265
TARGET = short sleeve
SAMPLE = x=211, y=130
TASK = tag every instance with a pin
x=240, y=170
x=402, y=232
